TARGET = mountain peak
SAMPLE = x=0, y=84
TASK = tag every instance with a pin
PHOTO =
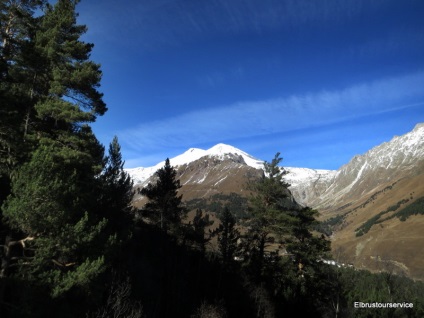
x=390, y=161
x=220, y=151
x=418, y=126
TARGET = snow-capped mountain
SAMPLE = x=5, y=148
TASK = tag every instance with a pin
x=316, y=187
x=202, y=173
x=219, y=151
x=296, y=176
x=306, y=184
x=401, y=157
x=387, y=176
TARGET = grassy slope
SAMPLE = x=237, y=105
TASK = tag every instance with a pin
x=392, y=245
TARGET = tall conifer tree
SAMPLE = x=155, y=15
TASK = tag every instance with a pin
x=59, y=218
x=17, y=91
x=116, y=193
x=228, y=236
x=164, y=206
x=269, y=208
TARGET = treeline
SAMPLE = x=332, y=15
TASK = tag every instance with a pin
x=274, y=268
x=73, y=246
x=328, y=226
x=218, y=202
x=415, y=208
x=270, y=269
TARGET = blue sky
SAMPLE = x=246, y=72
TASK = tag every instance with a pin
x=317, y=81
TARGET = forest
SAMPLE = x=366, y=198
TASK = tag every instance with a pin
x=72, y=244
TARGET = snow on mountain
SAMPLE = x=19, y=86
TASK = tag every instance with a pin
x=387, y=162
x=392, y=158
x=401, y=150
x=297, y=176
x=220, y=151
x=369, y=183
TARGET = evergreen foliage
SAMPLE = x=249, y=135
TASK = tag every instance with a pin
x=164, y=207
x=217, y=203
x=328, y=226
x=270, y=214
x=415, y=208
x=52, y=197
x=305, y=248
x=195, y=232
x=200, y=223
x=116, y=193
x=228, y=236
x=67, y=229
x=281, y=254
x=364, y=228
x=64, y=206
x=17, y=83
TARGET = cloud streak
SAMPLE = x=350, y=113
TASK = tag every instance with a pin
x=159, y=22
x=258, y=118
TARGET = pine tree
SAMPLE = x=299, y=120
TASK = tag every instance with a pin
x=116, y=192
x=228, y=237
x=200, y=223
x=164, y=207
x=71, y=78
x=17, y=94
x=48, y=85
x=59, y=237
x=276, y=215
x=49, y=207
x=269, y=207
x=306, y=248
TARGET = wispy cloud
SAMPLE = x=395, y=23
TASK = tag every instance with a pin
x=256, y=118
x=171, y=22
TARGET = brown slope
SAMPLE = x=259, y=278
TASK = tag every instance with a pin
x=211, y=175
x=390, y=245
x=389, y=174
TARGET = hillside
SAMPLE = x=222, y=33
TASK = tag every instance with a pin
x=361, y=200
x=358, y=203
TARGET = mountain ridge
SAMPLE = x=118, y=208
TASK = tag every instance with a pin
x=387, y=162
x=382, y=181
x=319, y=188
x=141, y=174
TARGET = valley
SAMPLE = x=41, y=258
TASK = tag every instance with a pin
x=358, y=203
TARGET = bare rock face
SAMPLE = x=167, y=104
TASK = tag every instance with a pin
x=210, y=175
x=308, y=185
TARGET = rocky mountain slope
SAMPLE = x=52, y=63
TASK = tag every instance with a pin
x=363, y=203
x=218, y=152
x=401, y=157
x=204, y=173
x=360, y=203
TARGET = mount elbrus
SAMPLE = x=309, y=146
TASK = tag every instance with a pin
x=372, y=207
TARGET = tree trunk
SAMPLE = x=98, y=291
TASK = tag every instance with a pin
x=5, y=260
x=7, y=252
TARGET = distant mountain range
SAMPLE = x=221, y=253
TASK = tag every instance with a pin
x=360, y=203
x=325, y=189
